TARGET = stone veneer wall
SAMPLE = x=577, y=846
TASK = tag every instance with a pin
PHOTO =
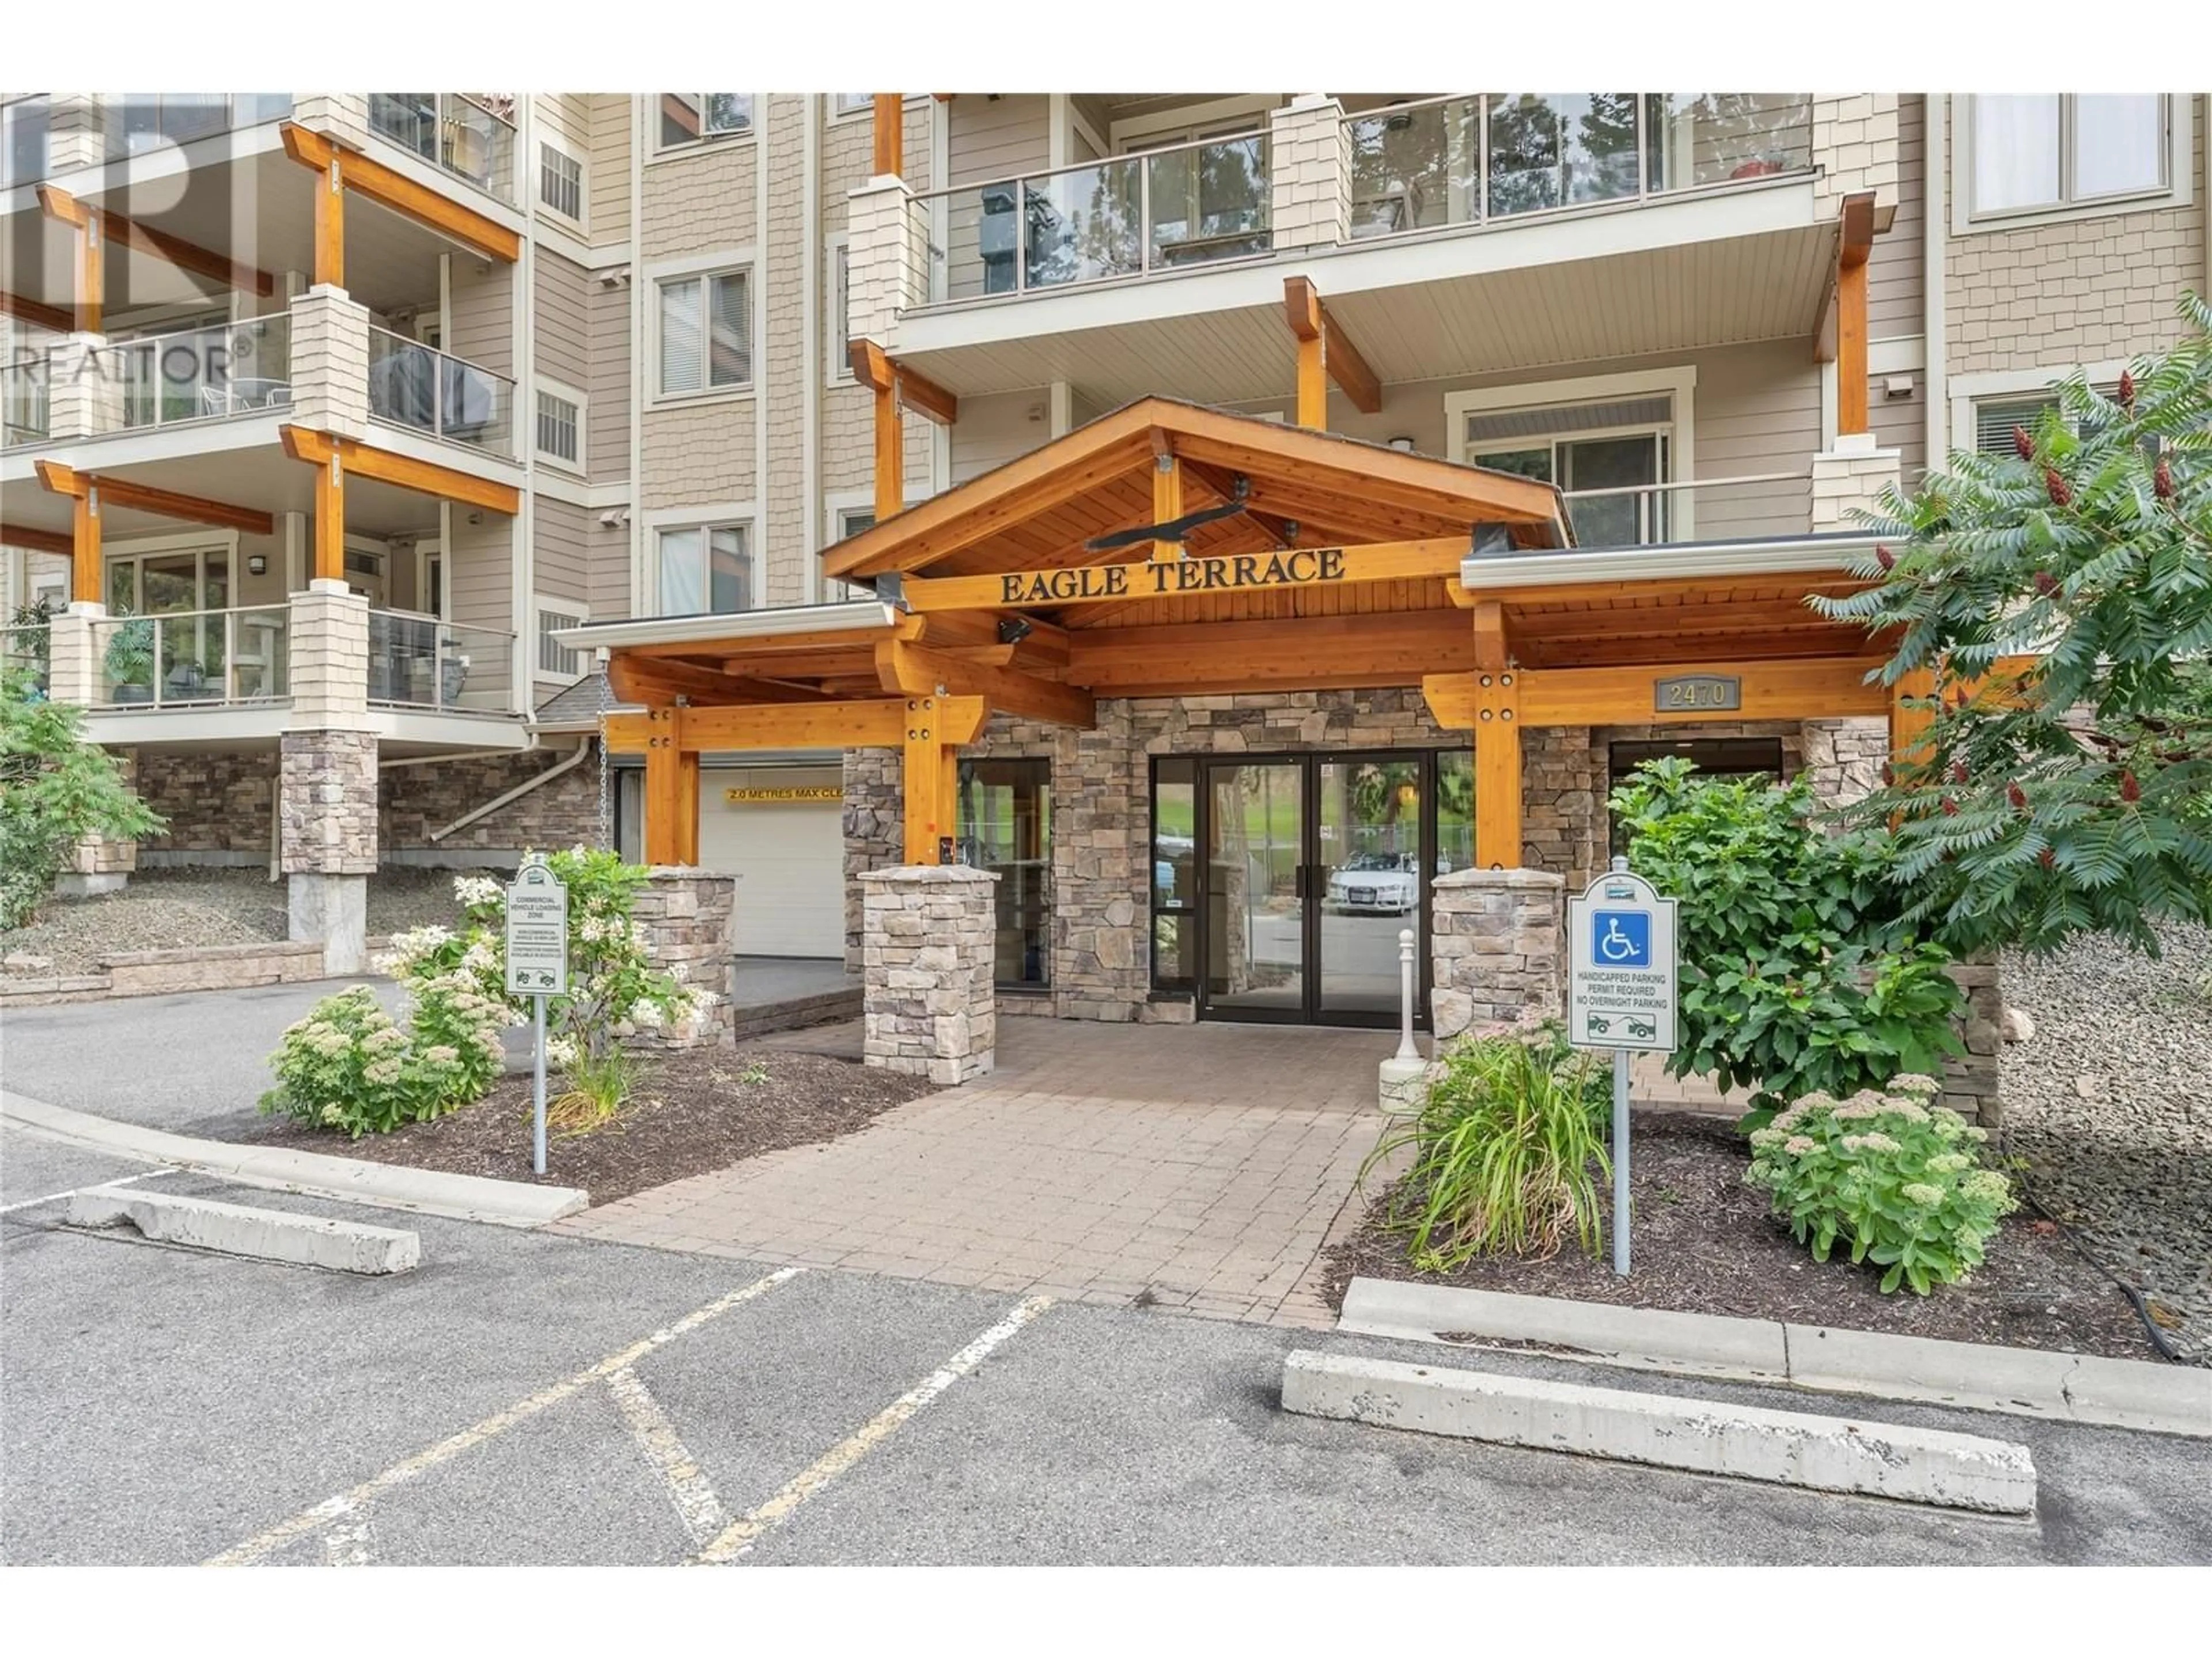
x=1498, y=941
x=215, y=802
x=929, y=1007
x=690, y=918
x=413, y=800
x=329, y=804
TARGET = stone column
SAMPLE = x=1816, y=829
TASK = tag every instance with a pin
x=1844, y=758
x=1309, y=173
x=329, y=655
x=886, y=257
x=102, y=864
x=330, y=361
x=1971, y=1080
x=690, y=918
x=926, y=971
x=74, y=643
x=1499, y=941
x=1850, y=478
x=327, y=818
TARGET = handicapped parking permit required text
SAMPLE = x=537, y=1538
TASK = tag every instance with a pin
x=1621, y=978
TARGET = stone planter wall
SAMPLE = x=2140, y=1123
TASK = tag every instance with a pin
x=690, y=918
x=1499, y=943
x=1972, y=1081
x=927, y=999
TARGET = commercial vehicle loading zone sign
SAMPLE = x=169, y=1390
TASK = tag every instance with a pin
x=1620, y=981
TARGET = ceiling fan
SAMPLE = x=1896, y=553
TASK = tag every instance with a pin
x=1173, y=529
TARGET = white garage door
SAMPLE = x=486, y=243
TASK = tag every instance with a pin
x=789, y=853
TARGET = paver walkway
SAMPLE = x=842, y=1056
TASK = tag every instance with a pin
x=1201, y=1167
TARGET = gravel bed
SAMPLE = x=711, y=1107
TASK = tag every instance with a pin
x=171, y=909
x=2110, y=1104
x=1705, y=1243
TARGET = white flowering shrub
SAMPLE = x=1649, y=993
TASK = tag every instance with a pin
x=349, y=1066
x=1898, y=1179
x=613, y=992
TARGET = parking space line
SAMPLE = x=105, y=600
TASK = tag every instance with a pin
x=741, y=1535
x=261, y=1547
x=55, y=1197
x=704, y=1517
x=349, y=1543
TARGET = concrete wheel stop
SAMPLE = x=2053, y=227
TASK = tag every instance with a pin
x=283, y=1236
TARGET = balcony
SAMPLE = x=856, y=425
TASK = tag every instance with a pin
x=40, y=136
x=430, y=392
x=192, y=659
x=196, y=374
x=453, y=132
x=422, y=662
x=1494, y=157
x=1751, y=507
x=1164, y=210
x=23, y=414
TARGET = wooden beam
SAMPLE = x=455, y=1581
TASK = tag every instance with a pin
x=890, y=457
x=85, y=558
x=873, y=368
x=145, y=498
x=1337, y=357
x=330, y=224
x=935, y=728
x=1306, y=654
x=658, y=680
x=39, y=541
x=916, y=670
x=1854, y=242
x=1490, y=653
x=664, y=785
x=123, y=231
x=890, y=133
x=1908, y=726
x=1830, y=688
x=404, y=471
x=473, y=230
x=867, y=723
x=35, y=311
x=330, y=520
x=1313, y=383
x=1498, y=806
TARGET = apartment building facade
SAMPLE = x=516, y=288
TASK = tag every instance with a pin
x=726, y=335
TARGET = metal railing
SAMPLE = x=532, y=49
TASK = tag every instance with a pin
x=1754, y=504
x=451, y=130
x=195, y=659
x=196, y=374
x=135, y=122
x=1475, y=158
x=1124, y=216
x=416, y=661
x=438, y=394
x=23, y=412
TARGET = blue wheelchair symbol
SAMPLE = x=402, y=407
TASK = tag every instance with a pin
x=1621, y=938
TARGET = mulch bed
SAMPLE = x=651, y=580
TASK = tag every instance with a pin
x=694, y=1111
x=1705, y=1244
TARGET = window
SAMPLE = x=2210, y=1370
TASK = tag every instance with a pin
x=2050, y=150
x=1995, y=419
x=706, y=332
x=556, y=660
x=23, y=127
x=706, y=568
x=840, y=312
x=560, y=182
x=1005, y=828
x=1175, y=874
x=852, y=103
x=561, y=424
x=1603, y=456
x=851, y=521
x=689, y=117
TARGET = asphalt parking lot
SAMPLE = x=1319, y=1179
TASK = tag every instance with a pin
x=523, y=1398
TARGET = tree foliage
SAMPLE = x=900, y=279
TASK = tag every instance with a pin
x=55, y=790
x=2061, y=597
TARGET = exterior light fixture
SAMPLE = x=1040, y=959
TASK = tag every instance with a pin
x=256, y=565
x=1405, y=444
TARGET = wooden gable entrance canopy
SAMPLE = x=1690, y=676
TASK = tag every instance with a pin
x=1169, y=549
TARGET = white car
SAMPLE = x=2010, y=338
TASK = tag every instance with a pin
x=1376, y=884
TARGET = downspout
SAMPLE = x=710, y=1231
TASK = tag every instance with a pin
x=2204, y=202
x=1934, y=231
x=457, y=755
x=641, y=601
x=813, y=278
x=759, y=539
x=582, y=753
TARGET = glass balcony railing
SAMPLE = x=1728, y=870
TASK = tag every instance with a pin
x=25, y=649
x=416, y=661
x=1478, y=158
x=23, y=417
x=194, y=659
x=1751, y=505
x=1127, y=215
x=25, y=125
x=197, y=374
x=427, y=391
x=136, y=122
x=452, y=131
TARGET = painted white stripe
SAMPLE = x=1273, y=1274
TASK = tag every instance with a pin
x=349, y=1543
x=741, y=1535
x=261, y=1547
x=687, y=1489
x=55, y=1197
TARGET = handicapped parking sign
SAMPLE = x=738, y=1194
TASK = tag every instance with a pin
x=1623, y=937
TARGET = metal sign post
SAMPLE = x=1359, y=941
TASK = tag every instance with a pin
x=1620, y=995
x=538, y=966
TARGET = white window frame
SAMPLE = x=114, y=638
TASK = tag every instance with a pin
x=540, y=602
x=200, y=543
x=721, y=515
x=840, y=365
x=2004, y=385
x=2181, y=131
x=583, y=215
x=721, y=263
x=692, y=146
x=865, y=108
x=1137, y=133
x=569, y=394
x=840, y=506
x=1678, y=381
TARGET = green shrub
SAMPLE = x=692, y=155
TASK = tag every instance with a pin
x=1895, y=1178
x=1797, y=971
x=1503, y=1152
x=613, y=991
x=55, y=790
x=348, y=1066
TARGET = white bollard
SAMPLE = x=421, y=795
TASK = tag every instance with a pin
x=1403, y=1083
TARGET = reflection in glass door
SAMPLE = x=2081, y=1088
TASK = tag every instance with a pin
x=1373, y=879
x=1255, y=879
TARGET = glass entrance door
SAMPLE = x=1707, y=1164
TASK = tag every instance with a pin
x=1372, y=879
x=1256, y=879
